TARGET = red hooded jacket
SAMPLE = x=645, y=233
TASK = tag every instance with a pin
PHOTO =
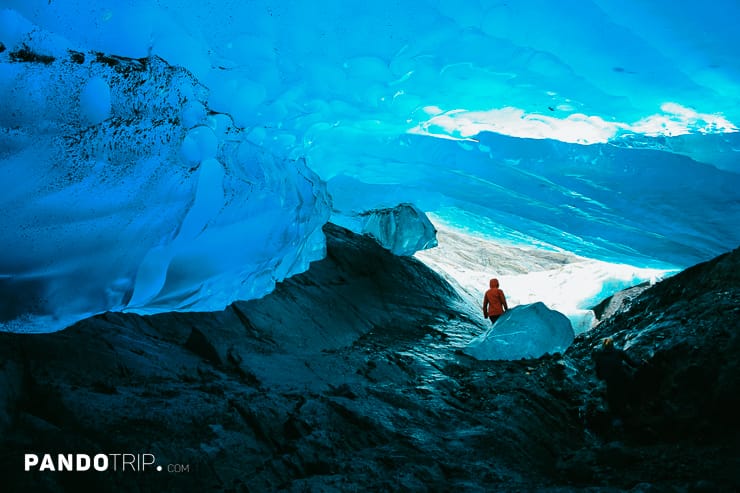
x=494, y=301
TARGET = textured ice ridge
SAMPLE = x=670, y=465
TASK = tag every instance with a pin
x=122, y=190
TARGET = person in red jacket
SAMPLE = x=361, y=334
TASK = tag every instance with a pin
x=494, y=302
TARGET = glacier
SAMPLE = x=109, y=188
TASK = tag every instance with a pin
x=159, y=156
x=134, y=196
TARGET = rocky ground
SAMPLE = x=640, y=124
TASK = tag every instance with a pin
x=350, y=378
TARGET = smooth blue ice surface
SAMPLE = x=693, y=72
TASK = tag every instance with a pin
x=525, y=331
x=160, y=155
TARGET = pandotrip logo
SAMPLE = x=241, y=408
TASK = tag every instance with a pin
x=118, y=462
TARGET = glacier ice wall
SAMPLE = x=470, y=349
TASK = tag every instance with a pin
x=603, y=127
x=123, y=190
x=622, y=204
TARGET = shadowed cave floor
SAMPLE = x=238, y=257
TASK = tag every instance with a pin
x=349, y=378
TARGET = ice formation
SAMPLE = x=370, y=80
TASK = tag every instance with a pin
x=177, y=155
x=123, y=191
x=525, y=331
x=404, y=229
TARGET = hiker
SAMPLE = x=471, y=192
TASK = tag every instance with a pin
x=494, y=302
x=616, y=368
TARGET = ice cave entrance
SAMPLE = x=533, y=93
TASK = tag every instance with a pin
x=550, y=293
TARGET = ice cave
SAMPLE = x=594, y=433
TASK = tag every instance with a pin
x=194, y=160
x=161, y=156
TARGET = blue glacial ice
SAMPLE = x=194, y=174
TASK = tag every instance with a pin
x=124, y=192
x=180, y=155
x=525, y=331
x=404, y=229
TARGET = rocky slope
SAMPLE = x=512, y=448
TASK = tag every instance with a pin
x=350, y=378
x=682, y=434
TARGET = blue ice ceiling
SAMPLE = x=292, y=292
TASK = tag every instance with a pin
x=163, y=155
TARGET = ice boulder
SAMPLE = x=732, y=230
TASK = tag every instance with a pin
x=404, y=229
x=525, y=331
